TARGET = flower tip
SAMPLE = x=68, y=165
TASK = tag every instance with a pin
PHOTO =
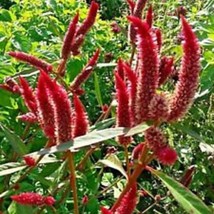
x=167, y=155
x=49, y=200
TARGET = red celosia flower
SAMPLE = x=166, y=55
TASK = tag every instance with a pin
x=85, y=199
x=29, y=161
x=166, y=69
x=188, y=76
x=28, y=198
x=49, y=200
x=85, y=73
x=32, y=60
x=148, y=68
x=105, y=211
x=123, y=113
x=27, y=94
x=45, y=107
x=28, y=117
x=31, y=198
x=76, y=44
x=131, y=5
x=90, y=19
x=62, y=109
x=104, y=108
x=13, y=86
x=158, y=35
x=80, y=121
x=158, y=108
x=154, y=138
x=69, y=37
x=132, y=90
x=149, y=16
x=115, y=27
x=129, y=201
x=137, y=12
x=166, y=155
x=120, y=68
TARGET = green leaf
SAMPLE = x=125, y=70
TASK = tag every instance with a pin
x=15, y=141
x=9, y=168
x=97, y=90
x=83, y=141
x=5, y=15
x=114, y=162
x=15, y=208
x=21, y=42
x=190, y=202
x=92, y=138
x=137, y=129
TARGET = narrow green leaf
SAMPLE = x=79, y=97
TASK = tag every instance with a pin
x=15, y=208
x=137, y=129
x=97, y=90
x=11, y=170
x=83, y=141
x=114, y=162
x=190, y=202
x=92, y=138
x=14, y=140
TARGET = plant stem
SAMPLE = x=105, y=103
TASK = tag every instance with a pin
x=127, y=160
x=71, y=166
x=82, y=163
x=137, y=171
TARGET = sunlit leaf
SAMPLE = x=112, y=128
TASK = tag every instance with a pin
x=190, y=202
x=114, y=162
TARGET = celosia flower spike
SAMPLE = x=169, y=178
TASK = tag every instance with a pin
x=123, y=113
x=148, y=68
x=187, y=84
x=89, y=21
x=28, y=117
x=166, y=69
x=69, y=37
x=120, y=69
x=159, y=108
x=129, y=201
x=80, y=121
x=28, y=95
x=85, y=73
x=158, y=38
x=13, y=86
x=137, y=12
x=105, y=211
x=154, y=138
x=32, y=198
x=62, y=110
x=29, y=161
x=149, y=16
x=45, y=107
x=131, y=5
x=76, y=45
x=166, y=155
x=132, y=77
x=32, y=60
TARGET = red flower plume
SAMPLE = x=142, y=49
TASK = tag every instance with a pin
x=187, y=84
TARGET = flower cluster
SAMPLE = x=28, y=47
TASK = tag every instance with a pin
x=49, y=103
x=139, y=93
x=32, y=198
x=157, y=142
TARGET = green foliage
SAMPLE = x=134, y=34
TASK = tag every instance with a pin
x=38, y=28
